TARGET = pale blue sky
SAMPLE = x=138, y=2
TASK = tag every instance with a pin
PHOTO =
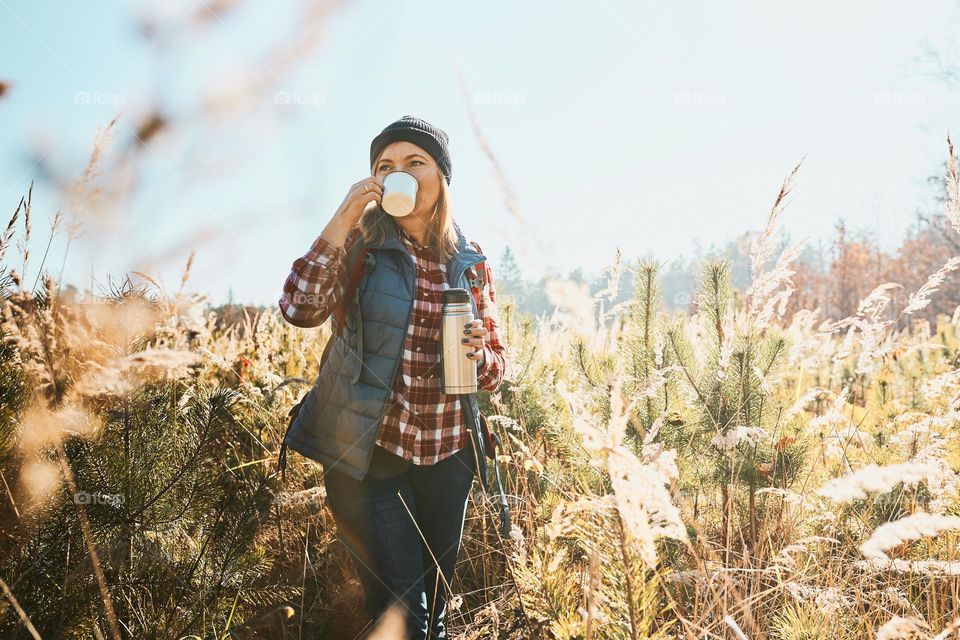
x=643, y=126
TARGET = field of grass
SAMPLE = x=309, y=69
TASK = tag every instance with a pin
x=730, y=473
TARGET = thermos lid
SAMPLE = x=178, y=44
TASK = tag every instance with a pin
x=455, y=295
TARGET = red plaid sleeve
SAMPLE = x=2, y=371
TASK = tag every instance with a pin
x=316, y=283
x=494, y=365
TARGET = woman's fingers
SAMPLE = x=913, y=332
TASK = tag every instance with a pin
x=474, y=336
x=372, y=185
x=370, y=191
x=473, y=342
x=367, y=190
x=475, y=328
x=373, y=181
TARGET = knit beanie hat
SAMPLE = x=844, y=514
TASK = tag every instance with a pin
x=421, y=133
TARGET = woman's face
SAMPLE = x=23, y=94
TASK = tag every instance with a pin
x=406, y=156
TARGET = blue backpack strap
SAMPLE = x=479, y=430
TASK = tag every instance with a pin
x=475, y=277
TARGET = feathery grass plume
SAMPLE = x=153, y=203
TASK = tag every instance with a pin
x=312, y=497
x=804, y=341
x=42, y=426
x=613, y=273
x=800, y=403
x=787, y=495
x=683, y=335
x=834, y=414
x=11, y=228
x=186, y=270
x=921, y=298
x=764, y=299
x=24, y=243
x=766, y=302
x=566, y=512
x=826, y=599
x=639, y=486
x=875, y=478
x=803, y=545
x=938, y=385
x=868, y=320
x=952, y=208
x=898, y=628
x=934, y=568
x=83, y=192
x=763, y=248
x=890, y=596
x=736, y=435
x=950, y=630
x=913, y=527
x=873, y=329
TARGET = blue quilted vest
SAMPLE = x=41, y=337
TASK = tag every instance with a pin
x=340, y=418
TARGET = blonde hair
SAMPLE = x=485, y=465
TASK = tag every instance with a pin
x=441, y=236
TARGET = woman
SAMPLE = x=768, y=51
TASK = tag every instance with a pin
x=399, y=456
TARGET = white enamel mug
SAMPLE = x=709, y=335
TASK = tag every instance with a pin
x=399, y=193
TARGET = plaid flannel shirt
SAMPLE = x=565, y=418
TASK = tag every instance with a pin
x=422, y=424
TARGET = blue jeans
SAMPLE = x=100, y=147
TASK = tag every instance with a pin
x=394, y=564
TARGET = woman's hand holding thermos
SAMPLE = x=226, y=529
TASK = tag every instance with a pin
x=474, y=334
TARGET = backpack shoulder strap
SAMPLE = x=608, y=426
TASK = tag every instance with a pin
x=476, y=277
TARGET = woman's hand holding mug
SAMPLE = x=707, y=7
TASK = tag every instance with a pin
x=360, y=195
x=351, y=209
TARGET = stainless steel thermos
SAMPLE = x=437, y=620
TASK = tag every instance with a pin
x=458, y=372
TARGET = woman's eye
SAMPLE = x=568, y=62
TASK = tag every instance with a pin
x=417, y=161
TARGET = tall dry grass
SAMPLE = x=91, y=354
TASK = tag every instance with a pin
x=721, y=474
